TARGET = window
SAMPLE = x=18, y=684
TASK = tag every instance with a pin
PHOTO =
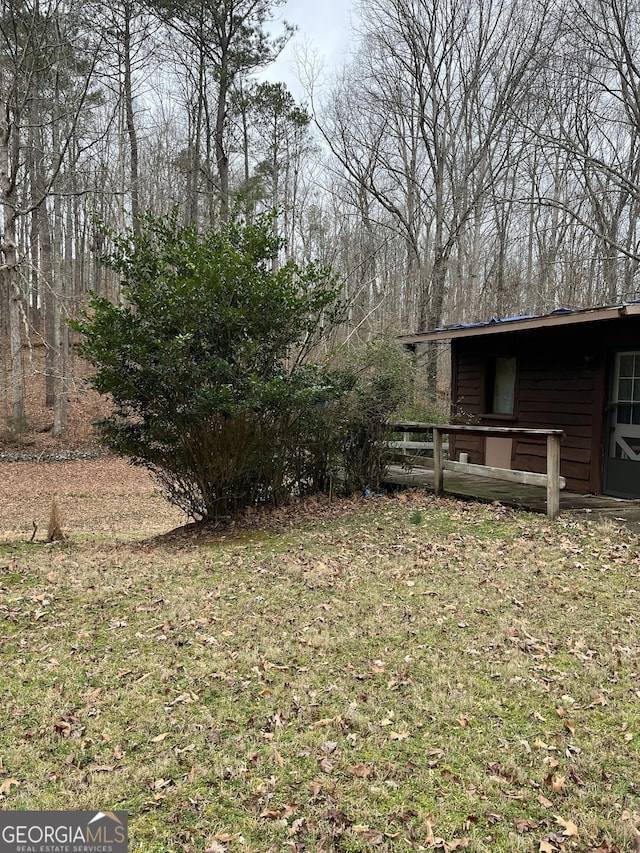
x=628, y=381
x=501, y=387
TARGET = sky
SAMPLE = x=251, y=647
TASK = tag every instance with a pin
x=323, y=30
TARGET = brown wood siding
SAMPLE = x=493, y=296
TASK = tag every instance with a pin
x=558, y=380
x=467, y=401
x=470, y=387
x=558, y=396
x=471, y=444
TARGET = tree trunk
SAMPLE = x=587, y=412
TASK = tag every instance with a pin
x=222, y=158
x=12, y=295
x=134, y=191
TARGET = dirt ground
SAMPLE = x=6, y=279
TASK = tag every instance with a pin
x=105, y=497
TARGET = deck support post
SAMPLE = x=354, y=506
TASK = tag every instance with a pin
x=553, y=476
x=437, y=462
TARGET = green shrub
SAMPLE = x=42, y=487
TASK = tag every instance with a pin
x=375, y=380
x=208, y=364
x=205, y=361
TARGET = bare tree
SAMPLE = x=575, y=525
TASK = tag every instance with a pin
x=423, y=120
x=232, y=37
x=592, y=123
x=47, y=63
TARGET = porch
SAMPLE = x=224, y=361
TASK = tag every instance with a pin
x=519, y=495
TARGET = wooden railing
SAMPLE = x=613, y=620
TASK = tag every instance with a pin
x=552, y=480
x=406, y=443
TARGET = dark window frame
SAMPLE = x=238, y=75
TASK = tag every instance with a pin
x=493, y=377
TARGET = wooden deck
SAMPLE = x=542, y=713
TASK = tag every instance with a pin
x=550, y=479
x=532, y=498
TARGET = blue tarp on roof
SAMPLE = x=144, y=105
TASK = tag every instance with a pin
x=529, y=322
x=499, y=320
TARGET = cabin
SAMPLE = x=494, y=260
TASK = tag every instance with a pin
x=578, y=371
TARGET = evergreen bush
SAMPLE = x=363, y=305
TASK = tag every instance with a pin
x=208, y=362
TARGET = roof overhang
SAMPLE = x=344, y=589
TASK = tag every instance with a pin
x=556, y=319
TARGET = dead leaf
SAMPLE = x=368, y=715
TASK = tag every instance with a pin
x=428, y=828
x=93, y=694
x=497, y=770
x=523, y=824
x=547, y=847
x=568, y=827
x=361, y=770
x=574, y=776
x=326, y=721
x=160, y=738
x=279, y=760
x=432, y=840
x=338, y=817
x=449, y=774
x=299, y=825
x=270, y=814
x=398, y=735
x=554, y=783
x=371, y=836
x=326, y=765
x=544, y=802
x=278, y=814
x=5, y=787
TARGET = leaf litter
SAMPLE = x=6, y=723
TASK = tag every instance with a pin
x=331, y=676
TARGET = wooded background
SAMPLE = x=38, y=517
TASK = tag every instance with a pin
x=475, y=158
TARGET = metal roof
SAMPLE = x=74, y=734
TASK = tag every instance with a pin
x=559, y=317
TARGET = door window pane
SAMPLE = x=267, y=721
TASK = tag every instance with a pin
x=625, y=387
x=624, y=413
x=626, y=365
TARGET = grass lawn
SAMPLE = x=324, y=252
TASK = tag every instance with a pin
x=397, y=673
